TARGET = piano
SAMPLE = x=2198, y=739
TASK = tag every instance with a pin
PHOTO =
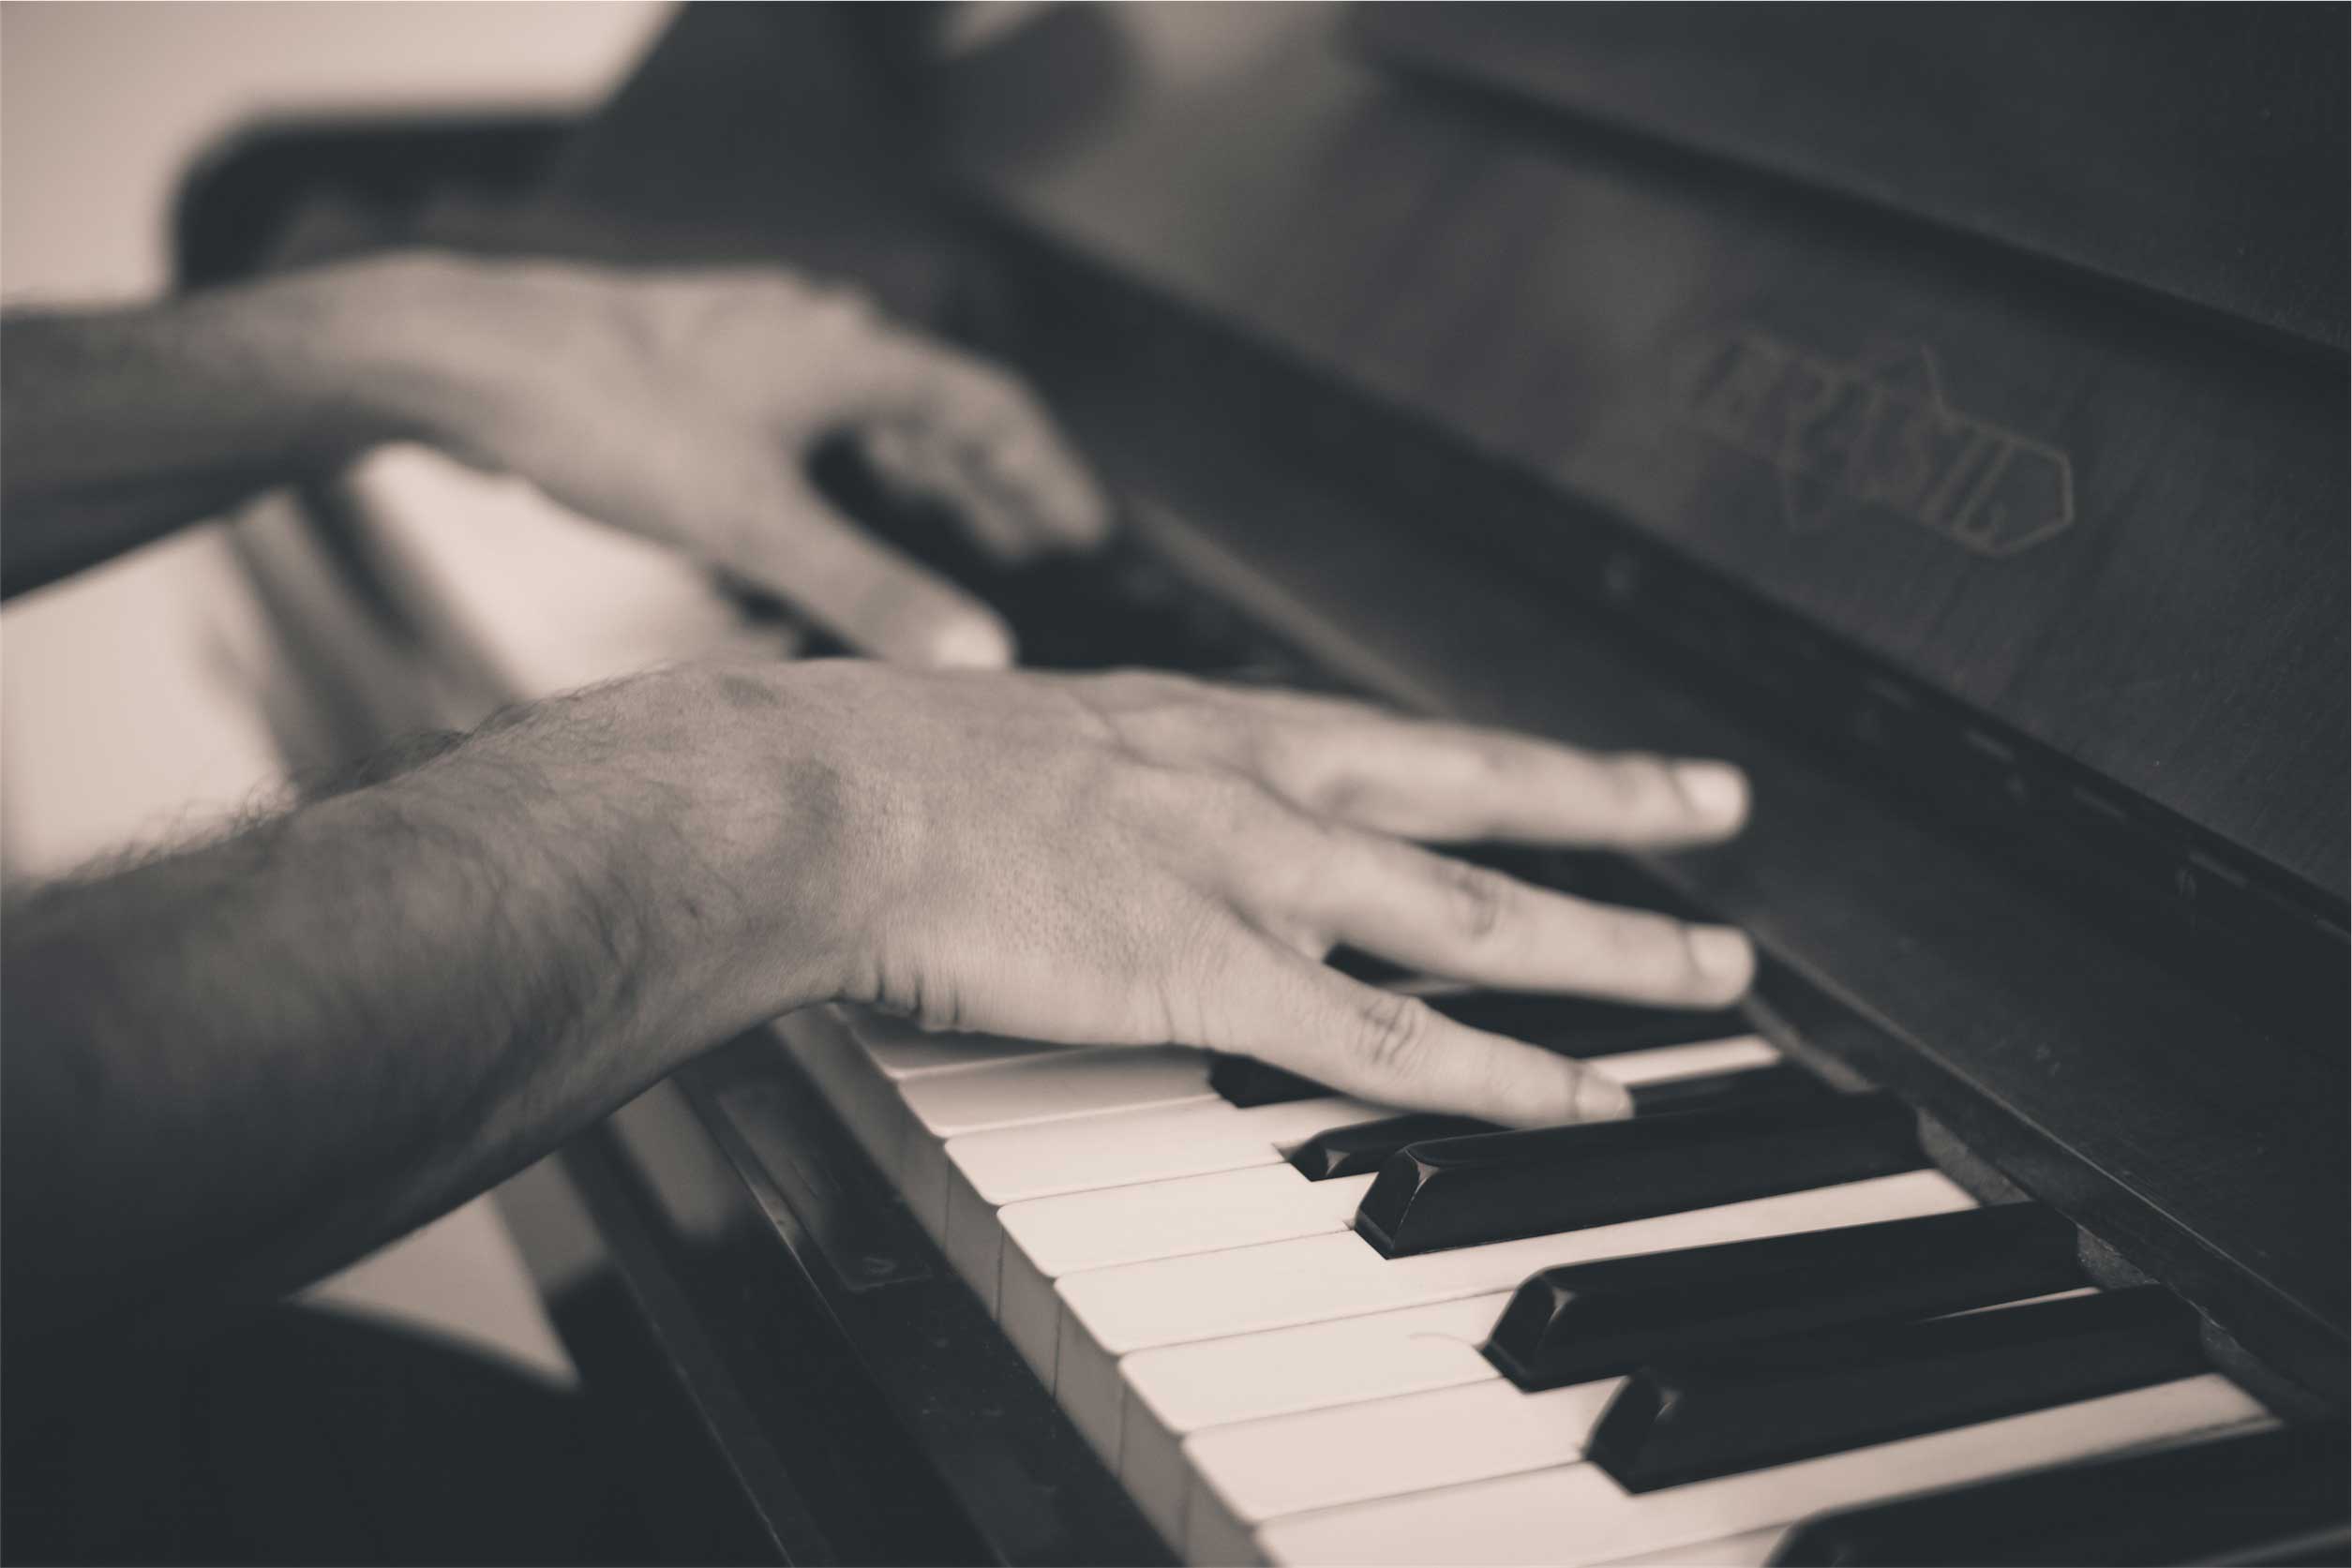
x=1939, y=414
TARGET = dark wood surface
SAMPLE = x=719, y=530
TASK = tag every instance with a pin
x=2194, y=152
x=1560, y=304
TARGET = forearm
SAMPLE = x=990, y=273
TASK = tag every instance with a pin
x=234, y=1067
x=120, y=425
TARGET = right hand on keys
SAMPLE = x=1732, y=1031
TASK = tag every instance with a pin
x=1132, y=858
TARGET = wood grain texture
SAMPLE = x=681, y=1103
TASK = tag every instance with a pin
x=1550, y=299
x=2198, y=153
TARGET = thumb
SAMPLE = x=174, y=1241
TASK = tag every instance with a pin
x=864, y=591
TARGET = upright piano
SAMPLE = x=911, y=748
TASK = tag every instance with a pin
x=1940, y=413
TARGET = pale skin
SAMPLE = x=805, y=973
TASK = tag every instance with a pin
x=232, y=1066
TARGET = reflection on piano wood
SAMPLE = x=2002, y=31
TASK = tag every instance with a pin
x=2005, y=1223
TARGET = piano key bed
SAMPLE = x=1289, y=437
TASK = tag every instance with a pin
x=1718, y=1331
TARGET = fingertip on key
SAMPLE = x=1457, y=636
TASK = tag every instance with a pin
x=1724, y=957
x=968, y=642
x=1716, y=792
x=1598, y=1098
x=1082, y=513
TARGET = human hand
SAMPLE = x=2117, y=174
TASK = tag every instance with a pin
x=1132, y=858
x=684, y=406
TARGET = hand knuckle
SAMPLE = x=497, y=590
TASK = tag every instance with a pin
x=1632, y=781
x=1643, y=940
x=1005, y=390
x=1392, y=1035
x=1149, y=687
x=1272, y=749
x=1481, y=899
x=1496, y=757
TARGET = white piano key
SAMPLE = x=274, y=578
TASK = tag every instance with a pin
x=1575, y=1514
x=1248, y=1474
x=1083, y=1230
x=1020, y=1167
x=860, y=1059
x=1750, y=1548
x=1215, y=1384
x=1659, y=1063
x=991, y=1169
x=1054, y=1237
x=1272, y=1412
x=1079, y=1081
x=1245, y=1474
x=1110, y=1313
x=904, y=1050
x=1013, y=1165
x=1250, y=1290
x=1185, y=1389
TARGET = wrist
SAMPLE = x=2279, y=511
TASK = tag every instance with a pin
x=711, y=822
x=803, y=841
x=403, y=346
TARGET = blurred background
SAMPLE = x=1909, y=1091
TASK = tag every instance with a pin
x=126, y=714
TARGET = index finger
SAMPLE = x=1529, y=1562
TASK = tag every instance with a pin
x=1394, y=1049
x=994, y=424
x=865, y=592
x=1447, y=783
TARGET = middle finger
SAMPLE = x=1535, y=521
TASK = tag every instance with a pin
x=1445, y=917
x=1427, y=780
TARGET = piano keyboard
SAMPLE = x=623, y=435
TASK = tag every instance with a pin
x=1672, y=1338
x=1301, y=1329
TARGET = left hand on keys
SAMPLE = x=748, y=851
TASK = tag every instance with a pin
x=683, y=406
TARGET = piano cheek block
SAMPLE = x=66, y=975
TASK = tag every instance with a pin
x=1499, y=1186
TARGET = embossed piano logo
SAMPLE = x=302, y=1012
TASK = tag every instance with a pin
x=1875, y=433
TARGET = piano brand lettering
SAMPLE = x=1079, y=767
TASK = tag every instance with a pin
x=1875, y=433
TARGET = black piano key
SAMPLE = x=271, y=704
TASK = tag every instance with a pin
x=1606, y=878
x=1529, y=863
x=1116, y=606
x=1586, y=1320
x=1246, y=1081
x=2271, y=1497
x=1713, y=1091
x=1351, y=1151
x=1678, y=1421
x=1368, y=967
x=1579, y=1027
x=1571, y=1026
x=1498, y=1185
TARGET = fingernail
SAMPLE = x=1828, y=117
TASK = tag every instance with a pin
x=1724, y=954
x=1599, y=1098
x=969, y=643
x=1715, y=791
x=1079, y=514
